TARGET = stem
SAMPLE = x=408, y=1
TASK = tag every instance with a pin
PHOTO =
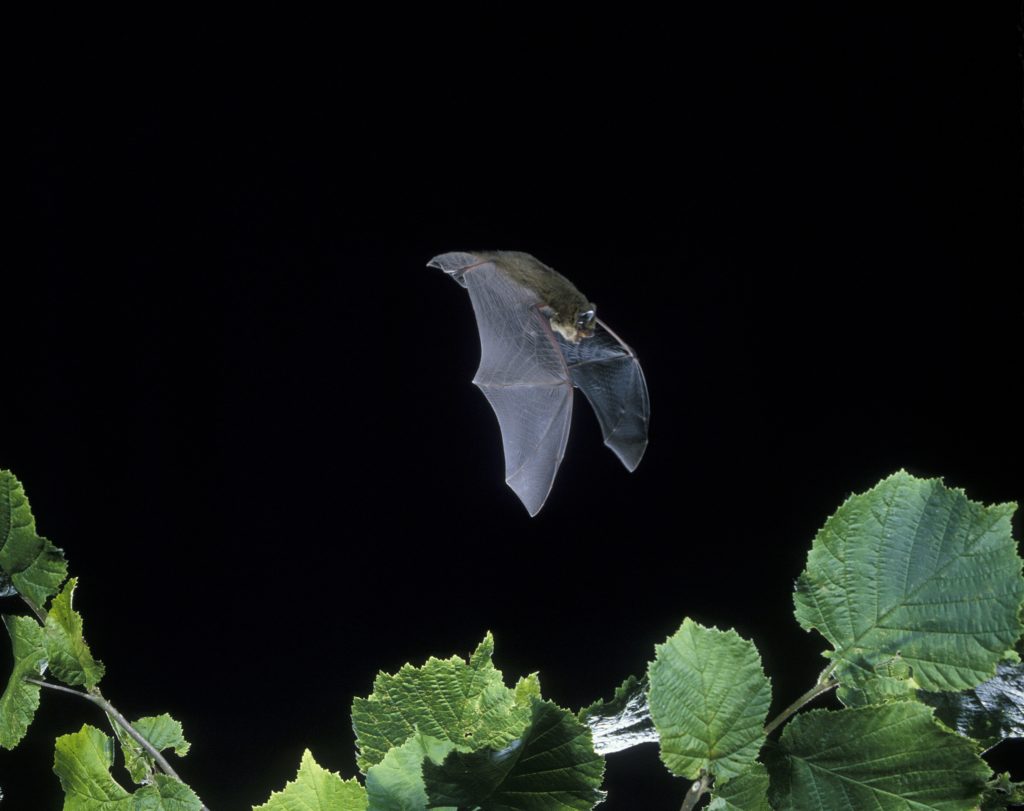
x=40, y=614
x=810, y=695
x=697, y=790
x=112, y=712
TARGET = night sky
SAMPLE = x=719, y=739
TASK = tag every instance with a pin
x=241, y=403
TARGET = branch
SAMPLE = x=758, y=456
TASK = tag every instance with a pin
x=112, y=712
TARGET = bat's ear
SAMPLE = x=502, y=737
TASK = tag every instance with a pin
x=454, y=264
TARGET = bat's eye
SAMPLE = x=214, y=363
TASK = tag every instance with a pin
x=585, y=319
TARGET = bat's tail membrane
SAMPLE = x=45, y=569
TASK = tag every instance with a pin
x=455, y=264
x=609, y=375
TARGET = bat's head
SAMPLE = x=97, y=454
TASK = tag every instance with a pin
x=579, y=325
x=585, y=321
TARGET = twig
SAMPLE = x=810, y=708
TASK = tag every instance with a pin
x=112, y=712
x=697, y=790
x=810, y=695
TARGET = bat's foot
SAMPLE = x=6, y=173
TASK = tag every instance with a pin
x=453, y=262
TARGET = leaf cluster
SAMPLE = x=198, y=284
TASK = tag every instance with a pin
x=50, y=643
x=917, y=590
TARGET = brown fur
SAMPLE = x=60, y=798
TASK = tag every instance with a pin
x=552, y=288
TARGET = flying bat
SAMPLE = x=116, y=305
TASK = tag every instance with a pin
x=539, y=339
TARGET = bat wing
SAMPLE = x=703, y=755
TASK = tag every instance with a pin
x=523, y=374
x=609, y=374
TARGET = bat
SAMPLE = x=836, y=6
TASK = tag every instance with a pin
x=539, y=339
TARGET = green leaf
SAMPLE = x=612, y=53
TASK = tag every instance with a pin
x=889, y=756
x=20, y=700
x=527, y=689
x=989, y=713
x=882, y=678
x=622, y=721
x=30, y=563
x=396, y=783
x=748, y=792
x=317, y=789
x=82, y=762
x=914, y=569
x=1002, y=792
x=466, y=703
x=553, y=765
x=70, y=658
x=162, y=732
x=166, y=794
x=709, y=699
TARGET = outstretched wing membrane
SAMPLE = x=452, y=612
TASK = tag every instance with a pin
x=522, y=373
x=608, y=373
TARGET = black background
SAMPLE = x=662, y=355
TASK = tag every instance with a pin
x=241, y=404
